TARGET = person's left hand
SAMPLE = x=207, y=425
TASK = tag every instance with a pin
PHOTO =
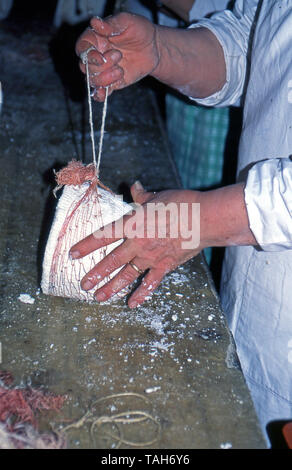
x=122, y=50
x=174, y=239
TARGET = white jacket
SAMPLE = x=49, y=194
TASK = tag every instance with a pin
x=256, y=289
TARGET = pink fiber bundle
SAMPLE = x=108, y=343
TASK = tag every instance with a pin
x=75, y=173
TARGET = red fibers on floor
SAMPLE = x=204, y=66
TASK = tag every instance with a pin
x=20, y=405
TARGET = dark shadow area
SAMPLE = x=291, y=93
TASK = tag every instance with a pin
x=152, y=6
x=109, y=8
x=33, y=9
x=49, y=212
x=216, y=264
x=31, y=16
x=159, y=90
x=66, y=62
x=276, y=436
x=231, y=146
x=124, y=190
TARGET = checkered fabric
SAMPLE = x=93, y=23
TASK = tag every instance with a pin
x=197, y=137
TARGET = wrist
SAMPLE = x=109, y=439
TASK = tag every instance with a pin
x=223, y=217
x=158, y=52
x=189, y=60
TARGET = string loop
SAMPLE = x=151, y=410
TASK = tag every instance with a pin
x=96, y=161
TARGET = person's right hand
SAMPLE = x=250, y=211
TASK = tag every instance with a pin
x=125, y=50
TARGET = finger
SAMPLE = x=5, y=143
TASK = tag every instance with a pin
x=112, y=26
x=139, y=194
x=102, y=26
x=100, y=62
x=107, y=78
x=113, y=261
x=92, y=242
x=147, y=287
x=99, y=93
x=125, y=277
x=90, y=39
x=95, y=60
x=106, y=235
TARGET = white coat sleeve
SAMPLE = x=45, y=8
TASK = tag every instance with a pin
x=202, y=8
x=268, y=198
x=232, y=29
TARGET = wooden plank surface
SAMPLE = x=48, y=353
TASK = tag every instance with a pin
x=172, y=360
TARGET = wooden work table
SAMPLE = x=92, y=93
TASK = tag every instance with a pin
x=172, y=360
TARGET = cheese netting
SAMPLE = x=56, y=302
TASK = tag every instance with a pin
x=81, y=210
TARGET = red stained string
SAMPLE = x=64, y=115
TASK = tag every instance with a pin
x=75, y=173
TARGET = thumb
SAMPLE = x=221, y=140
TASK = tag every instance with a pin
x=139, y=194
x=110, y=26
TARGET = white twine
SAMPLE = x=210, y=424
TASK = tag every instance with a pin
x=97, y=161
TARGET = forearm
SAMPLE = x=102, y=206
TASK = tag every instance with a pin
x=224, y=220
x=191, y=61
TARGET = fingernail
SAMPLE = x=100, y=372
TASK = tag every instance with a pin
x=133, y=304
x=100, y=296
x=138, y=185
x=74, y=254
x=87, y=285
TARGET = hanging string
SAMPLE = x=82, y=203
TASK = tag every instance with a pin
x=96, y=161
x=104, y=111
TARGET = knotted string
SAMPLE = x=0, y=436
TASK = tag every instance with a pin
x=75, y=173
